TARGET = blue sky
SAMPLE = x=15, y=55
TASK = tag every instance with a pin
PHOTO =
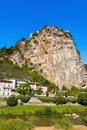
x=18, y=18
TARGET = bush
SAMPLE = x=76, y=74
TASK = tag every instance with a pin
x=57, y=100
x=12, y=101
x=46, y=111
x=82, y=99
x=61, y=100
x=25, y=98
x=47, y=99
x=72, y=100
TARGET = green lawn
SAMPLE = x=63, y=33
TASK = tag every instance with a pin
x=32, y=109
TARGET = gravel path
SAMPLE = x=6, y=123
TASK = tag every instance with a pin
x=77, y=127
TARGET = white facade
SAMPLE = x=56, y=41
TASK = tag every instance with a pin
x=5, y=87
x=34, y=85
x=18, y=82
x=44, y=90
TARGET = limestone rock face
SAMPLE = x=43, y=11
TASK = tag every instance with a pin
x=53, y=53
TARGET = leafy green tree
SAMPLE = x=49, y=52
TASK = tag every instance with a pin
x=59, y=94
x=24, y=89
x=67, y=93
x=74, y=91
x=51, y=87
x=39, y=91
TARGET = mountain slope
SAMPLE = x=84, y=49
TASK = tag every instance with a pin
x=52, y=52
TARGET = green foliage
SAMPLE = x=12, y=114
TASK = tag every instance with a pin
x=12, y=101
x=72, y=100
x=61, y=100
x=64, y=89
x=24, y=89
x=39, y=91
x=15, y=124
x=32, y=109
x=26, y=68
x=6, y=51
x=46, y=111
x=58, y=100
x=37, y=77
x=82, y=99
x=35, y=34
x=51, y=86
x=25, y=98
x=47, y=99
x=84, y=121
x=74, y=91
x=59, y=94
x=8, y=70
x=23, y=39
x=63, y=123
x=10, y=50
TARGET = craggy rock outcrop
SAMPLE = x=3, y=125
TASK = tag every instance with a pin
x=53, y=53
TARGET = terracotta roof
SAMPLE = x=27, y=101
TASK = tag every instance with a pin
x=5, y=80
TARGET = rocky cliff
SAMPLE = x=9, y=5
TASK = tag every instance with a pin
x=53, y=53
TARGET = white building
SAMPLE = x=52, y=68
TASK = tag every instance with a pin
x=7, y=87
x=36, y=86
x=18, y=82
x=44, y=90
